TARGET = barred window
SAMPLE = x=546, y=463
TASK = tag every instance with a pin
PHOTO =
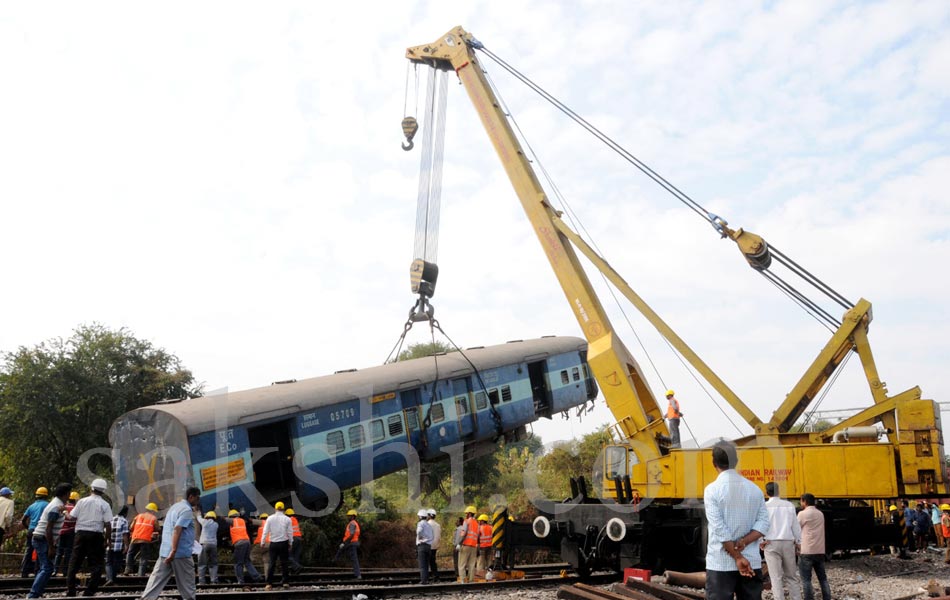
x=335, y=442
x=576, y=373
x=505, y=393
x=437, y=413
x=481, y=401
x=395, y=425
x=377, y=428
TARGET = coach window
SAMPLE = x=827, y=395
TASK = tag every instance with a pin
x=564, y=378
x=437, y=413
x=335, y=442
x=493, y=396
x=481, y=401
x=377, y=428
x=395, y=425
x=461, y=405
x=356, y=436
x=412, y=419
x=505, y=393
x=576, y=373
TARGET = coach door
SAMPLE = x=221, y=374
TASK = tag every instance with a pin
x=273, y=458
x=462, y=392
x=410, y=410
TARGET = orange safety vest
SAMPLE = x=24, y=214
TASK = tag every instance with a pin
x=484, y=536
x=143, y=525
x=471, y=533
x=239, y=531
x=355, y=537
x=296, y=526
x=260, y=532
x=945, y=525
x=673, y=410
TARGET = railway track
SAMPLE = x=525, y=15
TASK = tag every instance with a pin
x=373, y=587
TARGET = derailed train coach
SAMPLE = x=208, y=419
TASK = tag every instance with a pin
x=305, y=441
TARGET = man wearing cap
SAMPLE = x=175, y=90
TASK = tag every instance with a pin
x=208, y=560
x=143, y=535
x=67, y=535
x=423, y=545
x=93, y=527
x=31, y=516
x=45, y=538
x=673, y=416
x=468, y=553
x=174, y=556
x=436, y=542
x=6, y=511
x=279, y=535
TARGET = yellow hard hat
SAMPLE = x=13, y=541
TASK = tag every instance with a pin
x=263, y=516
x=74, y=495
x=289, y=512
x=279, y=506
x=669, y=392
x=892, y=507
x=233, y=513
x=483, y=518
x=211, y=515
x=471, y=509
x=945, y=507
x=151, y=506
x=351, y=512
x=42, y=491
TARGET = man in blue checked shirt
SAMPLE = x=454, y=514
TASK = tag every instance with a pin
x=737, y=518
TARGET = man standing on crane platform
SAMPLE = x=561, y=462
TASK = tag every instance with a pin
x=673, y=415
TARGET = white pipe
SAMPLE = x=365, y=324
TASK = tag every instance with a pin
x=846, y=434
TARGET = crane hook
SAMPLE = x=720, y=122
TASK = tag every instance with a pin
x=409, y=128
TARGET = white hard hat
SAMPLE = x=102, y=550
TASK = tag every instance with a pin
x=423, y=513
x=99, y=485
x=431, y=512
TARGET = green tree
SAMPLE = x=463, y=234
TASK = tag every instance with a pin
x=59, y=398
x=572, y=459
x=424, y=349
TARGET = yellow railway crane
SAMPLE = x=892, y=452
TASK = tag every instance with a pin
x=652, y=516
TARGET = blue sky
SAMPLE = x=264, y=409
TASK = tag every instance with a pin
x=225, y=179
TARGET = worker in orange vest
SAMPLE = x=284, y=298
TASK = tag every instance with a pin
x=484, y=543
x=945, y=529
x=143, y=538
x=297, y=549
x=351, y=542
x=468, y=549
x=241, y=544
x=673, y=416
x=257, y=549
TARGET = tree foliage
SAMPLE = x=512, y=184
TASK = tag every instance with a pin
x=59, y=398
x=573, y=459
x=423, y=349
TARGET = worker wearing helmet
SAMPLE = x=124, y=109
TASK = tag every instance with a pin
x=241, y=543
x=484, y=543
x=258, y=554
x=143, y=536
x=935, y=515
x=93, y=527
x=31, y=516
x=6, y=510
x=436, y=542
x=279, y=535
x=64, y=549
x=208, y=559
x=296, y=549
x=423, y=545
x=351, y=542
x=468, y=549
x=673, y=416
x=45, y=538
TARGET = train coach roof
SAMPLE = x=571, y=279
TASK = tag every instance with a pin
x=224, y=410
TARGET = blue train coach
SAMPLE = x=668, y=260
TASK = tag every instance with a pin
x=304, y=441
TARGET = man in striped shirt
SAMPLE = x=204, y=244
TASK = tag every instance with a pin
x=118, y=545
x=737, y=518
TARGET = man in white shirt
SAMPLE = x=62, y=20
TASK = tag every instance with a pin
x=279, y=530
x=93, y=527
x=436, y=537
x=6, y=510
x=423, y=545
x=784, y=535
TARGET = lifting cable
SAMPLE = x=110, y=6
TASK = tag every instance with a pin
x=689, y=202
x=810, y=414
x=576, y=222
